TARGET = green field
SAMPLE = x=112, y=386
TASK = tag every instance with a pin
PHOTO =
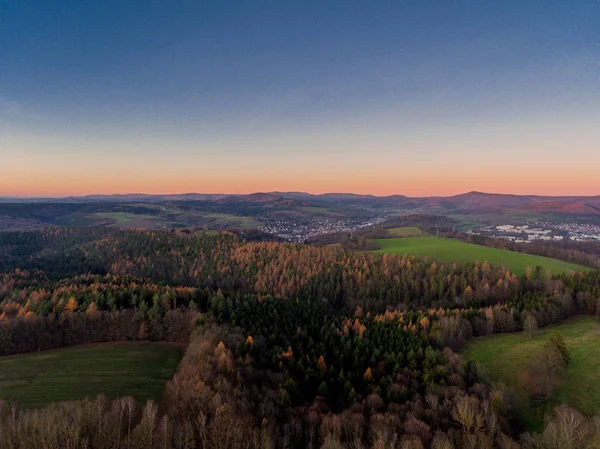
x=227, y=220
x=140, y=370
x=405, y=232
x=448, y=250
x=141, y=221
x=503, y=356
x=123, y=217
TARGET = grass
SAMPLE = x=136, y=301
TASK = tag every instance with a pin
x=405, y=232
x=321, y=211
x=122, y=217
x=448, y=250
x=218, y=219
x=133, y=369
x=142, y=221
x=504, y=355
x=172, y=218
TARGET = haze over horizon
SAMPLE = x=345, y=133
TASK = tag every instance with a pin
x=283, y=193
x=382, y=98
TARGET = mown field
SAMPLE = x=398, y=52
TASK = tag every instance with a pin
x=448, y=250
x=169, y=218
x=409, y=231
x=124, y=217
x=133, y=369
x=503, y=356
x=219, y=220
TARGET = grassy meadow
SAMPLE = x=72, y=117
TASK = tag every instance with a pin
x=503, y=356
x=122, y=217
x=409, y=231
x=133, y=369
x=448, y=250
x=223, y=220
x=176, y=218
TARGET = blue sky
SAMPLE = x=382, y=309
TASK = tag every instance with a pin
x=284, y=95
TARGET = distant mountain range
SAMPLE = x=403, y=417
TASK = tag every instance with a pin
x=472, y=202
x=467, y=203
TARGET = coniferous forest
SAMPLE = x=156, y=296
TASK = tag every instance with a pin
x=288, y=345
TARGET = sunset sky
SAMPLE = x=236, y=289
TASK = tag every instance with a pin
x=409, y=97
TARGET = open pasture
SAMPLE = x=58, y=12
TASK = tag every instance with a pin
x=133, y=369
x=410, y=231
x=503, y=356
x=448, y=250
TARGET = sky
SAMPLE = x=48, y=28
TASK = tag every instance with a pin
x=382, y=97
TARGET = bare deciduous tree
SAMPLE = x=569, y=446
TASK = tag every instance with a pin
x=567, y=429
x=530, y=325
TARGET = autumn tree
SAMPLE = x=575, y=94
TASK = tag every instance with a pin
x=92, y=311
x=71, y=305
x=322, y=364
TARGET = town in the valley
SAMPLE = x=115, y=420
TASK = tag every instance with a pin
x=541, y=231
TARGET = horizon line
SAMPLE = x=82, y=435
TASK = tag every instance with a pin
x=276, y=192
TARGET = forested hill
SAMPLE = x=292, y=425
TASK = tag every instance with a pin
x=294, y=345
x=284, y=270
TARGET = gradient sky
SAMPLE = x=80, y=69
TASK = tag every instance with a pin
x=412, y=97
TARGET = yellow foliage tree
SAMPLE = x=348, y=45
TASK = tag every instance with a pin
x=368, y=375
x=433, y=268
x=71, y=305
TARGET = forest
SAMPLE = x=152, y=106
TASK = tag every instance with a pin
x=288, y=345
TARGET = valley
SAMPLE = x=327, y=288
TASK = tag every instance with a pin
x=299, y=217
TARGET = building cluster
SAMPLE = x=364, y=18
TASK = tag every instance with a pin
x=577, y=231
x=541, y=231
x=301, y=231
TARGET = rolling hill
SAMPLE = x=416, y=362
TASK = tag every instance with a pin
x=565, y=208
x=188, y=209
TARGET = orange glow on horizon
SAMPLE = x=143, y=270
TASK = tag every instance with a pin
x=414, y=174
x=411, y=185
